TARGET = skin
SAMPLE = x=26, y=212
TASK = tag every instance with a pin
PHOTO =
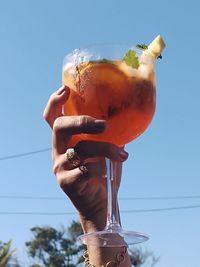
x=87, y=190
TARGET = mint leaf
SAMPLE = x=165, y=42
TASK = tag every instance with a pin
x=142, y=46
x=131, y=59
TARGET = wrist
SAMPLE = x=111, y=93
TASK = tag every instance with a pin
x=107, y=256
x=93, y=223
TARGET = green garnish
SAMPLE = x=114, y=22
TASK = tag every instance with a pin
x=131, y=59
x=144, y=47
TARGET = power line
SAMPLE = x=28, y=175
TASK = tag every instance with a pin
x=163, y=209
x=122, y=211
x=35, y=213
x=161, y=198
x=121, y=198
x=25, y=154
x=31, y=197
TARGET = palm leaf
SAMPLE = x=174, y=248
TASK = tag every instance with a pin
x=5, y=254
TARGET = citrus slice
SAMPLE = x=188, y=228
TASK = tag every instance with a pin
x=105, y=90
x=103, y=87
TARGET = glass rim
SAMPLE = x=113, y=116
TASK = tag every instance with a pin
x=78, y=54
x=108, y=44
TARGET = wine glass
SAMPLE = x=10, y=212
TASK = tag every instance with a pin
x=116, y=83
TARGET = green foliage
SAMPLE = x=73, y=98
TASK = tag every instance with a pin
x=142, y=46
x=131, y=59
x=5, y=253
x=74, y=230
x=55, y=248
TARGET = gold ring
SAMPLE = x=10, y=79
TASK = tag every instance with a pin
x=83, y=169
x=73, y=157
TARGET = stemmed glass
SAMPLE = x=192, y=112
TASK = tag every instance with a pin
x=115, y=83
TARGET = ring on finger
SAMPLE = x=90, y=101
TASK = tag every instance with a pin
x=83, y=169
x=72, y=157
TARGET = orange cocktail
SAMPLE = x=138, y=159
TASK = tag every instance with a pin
x=111, y=90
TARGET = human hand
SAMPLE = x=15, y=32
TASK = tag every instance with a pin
x=85, y=186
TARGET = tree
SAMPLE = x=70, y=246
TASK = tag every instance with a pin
x=6, y=254
x=58, y=248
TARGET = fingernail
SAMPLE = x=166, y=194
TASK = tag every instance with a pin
x=62, y=89
x=100, y=124
x=123, y=154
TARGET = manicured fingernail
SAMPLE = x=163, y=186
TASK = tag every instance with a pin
x=100, y=124
x=62, y=89
x=123, y=154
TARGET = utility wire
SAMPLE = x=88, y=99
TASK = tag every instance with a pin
x=121, y=198
x=162, y=209
x=161, y=198
x=122, y=211
x=31, y=197
x=25, y=154
x=36, y=213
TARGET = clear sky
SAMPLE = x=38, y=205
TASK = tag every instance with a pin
x=163, y=162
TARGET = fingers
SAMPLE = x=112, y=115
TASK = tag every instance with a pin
x=90, y=149
x=85, y=150
x=53, y=108
x=66, y=126
x=72, y=178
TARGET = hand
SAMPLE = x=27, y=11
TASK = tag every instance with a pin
x=86, y=186
x=86, y=189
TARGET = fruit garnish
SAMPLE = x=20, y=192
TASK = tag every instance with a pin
x=156, y=46
x=131, y=59
x=144, y=47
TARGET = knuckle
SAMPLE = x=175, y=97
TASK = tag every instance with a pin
x=83, y=120
x=52, y=99
x=46, y=114
x=61, y=181
x=56, y=168
x=57, y=124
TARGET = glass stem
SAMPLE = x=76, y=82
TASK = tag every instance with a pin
x=113, y=177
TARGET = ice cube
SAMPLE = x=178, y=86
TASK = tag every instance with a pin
x=145, y=70
x=76, y=57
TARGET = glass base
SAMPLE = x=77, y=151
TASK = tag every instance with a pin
x=113, y=238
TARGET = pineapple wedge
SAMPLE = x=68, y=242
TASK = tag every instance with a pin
x=149, y=55
x=156, y=46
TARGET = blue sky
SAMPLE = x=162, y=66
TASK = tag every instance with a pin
x=163, y=162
